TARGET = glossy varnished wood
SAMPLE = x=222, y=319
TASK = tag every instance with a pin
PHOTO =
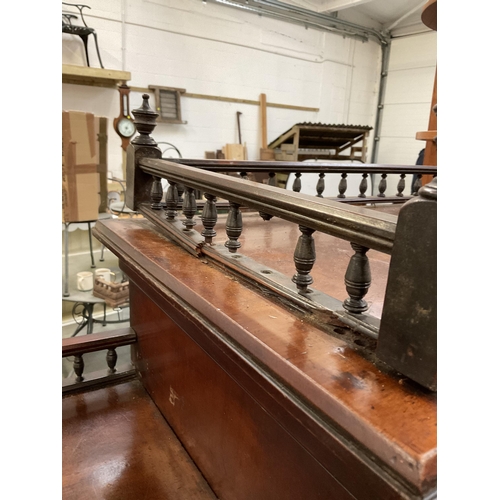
x=243, y=451
x=374, y=421
x=273, y=242
x=98, y=341
x=117, y=446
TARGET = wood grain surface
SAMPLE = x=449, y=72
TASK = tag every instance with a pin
x=117, y=446
x=391, y=419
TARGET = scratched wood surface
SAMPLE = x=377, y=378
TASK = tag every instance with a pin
x=389, y=416
x=273, y=243
x=117, y=446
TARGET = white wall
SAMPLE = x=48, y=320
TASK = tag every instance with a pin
x=212, y=49
x=407, y=102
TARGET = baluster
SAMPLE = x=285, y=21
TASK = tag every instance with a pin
x=209, y=218
x=244, y=175
x=297, y=184
x=417, y=184
x=189, y=209
x=382, y=186
x=156, y=193
x=265, y=216
x=342, y=186
x=320, y=186
x=234, y=226
x=363, y=186
x=304, y=258
x=401, y=185
x=272, y=179
x=171, y=200
x=271, y=182
x=111, y=358
x=78, y=366
x=357, y=280
x=180, y=196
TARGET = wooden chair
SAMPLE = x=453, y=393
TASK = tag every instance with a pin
x=82, y=31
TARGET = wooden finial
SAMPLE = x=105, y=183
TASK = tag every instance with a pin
x=145, y=122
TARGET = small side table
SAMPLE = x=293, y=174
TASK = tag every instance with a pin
x=84, y=307
x=90, y=224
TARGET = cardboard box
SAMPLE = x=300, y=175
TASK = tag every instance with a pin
x=80, y=180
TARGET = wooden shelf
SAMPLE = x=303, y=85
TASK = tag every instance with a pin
x=95, y=77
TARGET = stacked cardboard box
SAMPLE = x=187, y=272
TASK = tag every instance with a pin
x=80, y=180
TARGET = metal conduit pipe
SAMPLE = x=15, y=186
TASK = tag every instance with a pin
x=330, y=23
x=298, y=19
x=380, y=101
x=381, y=37
x=274, y=8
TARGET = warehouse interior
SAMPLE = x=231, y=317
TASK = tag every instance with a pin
x=232, y=80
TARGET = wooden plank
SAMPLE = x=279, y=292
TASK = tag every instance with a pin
x=248, y=101
x=228, y=99
x=427, y=135
x=263, y=120
x=98, y=341
x=83, y=75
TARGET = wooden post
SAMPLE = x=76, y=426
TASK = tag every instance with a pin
x=142, y=146
x=408, y=327
x=429, y=18
x=263, y=120
x=265, y=153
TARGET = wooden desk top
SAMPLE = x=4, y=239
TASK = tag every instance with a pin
x=390, y=416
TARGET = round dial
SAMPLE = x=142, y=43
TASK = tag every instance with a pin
x=125, y=127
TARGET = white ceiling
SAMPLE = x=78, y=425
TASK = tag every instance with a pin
x=398, y=16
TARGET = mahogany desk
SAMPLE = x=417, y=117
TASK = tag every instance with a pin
x=266, y=404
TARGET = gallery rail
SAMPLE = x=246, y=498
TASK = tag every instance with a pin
x=406, y=332
x=297, y=169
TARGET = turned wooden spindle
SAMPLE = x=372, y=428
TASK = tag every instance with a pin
x=401, y=185
x=171, y=200
x=180, y=197
x=234, y=227
x=111, y=358
x=78, y=366
x=189, y=209
x=363, y=186
x=320, y=185
x=304, y=258
x=156, y=193
x=297, y=184
x=357, y=280
x=209, y=218
x=417, y=184
x=382, y=186
x=342, y=186
x=273, y=181
x=265, y=216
